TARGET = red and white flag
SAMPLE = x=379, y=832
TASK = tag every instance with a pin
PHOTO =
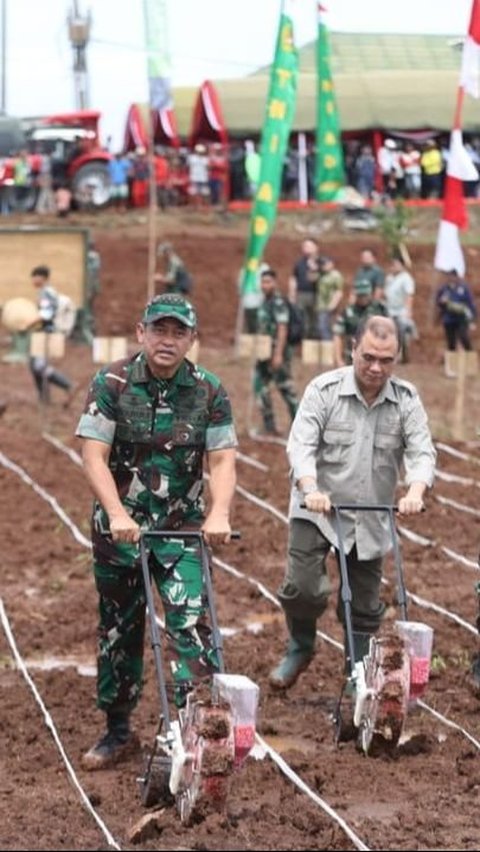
x=449, y=254
x=469, y=78
x=460, y=168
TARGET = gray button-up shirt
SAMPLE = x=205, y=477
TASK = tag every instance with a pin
x=355, y=452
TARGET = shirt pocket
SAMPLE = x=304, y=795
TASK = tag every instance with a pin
x=338, y=438
x=387, y=445
x=134, y=423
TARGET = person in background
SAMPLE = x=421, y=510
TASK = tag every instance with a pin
x=399, y=297
x=119, y=168
x=217, y=174
x=162, y=178
x=272, y=321
x=353, y=429
x=251, y=300
x=149, y=424
x=329, y=295
x=174, y=277
x=432, y=166
x=370, y=270
x=456, y=309
x=410, y=162
x=302, y=285
x=43, y=373
x=362, y=305
x=364, y=172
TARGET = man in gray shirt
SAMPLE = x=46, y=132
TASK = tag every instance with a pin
x=353, y=430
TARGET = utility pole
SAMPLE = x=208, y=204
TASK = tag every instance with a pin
x=79, y=33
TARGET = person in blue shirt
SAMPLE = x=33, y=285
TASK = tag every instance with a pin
x=119, y=169
x=456, y=310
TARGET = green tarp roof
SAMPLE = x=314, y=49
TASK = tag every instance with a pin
x=382, y=81
x=360, y=52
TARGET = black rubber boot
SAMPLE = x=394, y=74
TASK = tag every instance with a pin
x=116, y=744
x=300, y=651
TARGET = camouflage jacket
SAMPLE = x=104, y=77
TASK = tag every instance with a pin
x=159, y=431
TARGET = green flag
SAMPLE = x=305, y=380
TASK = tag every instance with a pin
x=158, y=58
x=329, y=167
x=276, y=130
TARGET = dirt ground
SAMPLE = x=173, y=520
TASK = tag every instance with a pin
x=426, y=796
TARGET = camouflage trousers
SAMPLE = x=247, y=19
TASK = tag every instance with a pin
x=264, y=377
x=176, y=571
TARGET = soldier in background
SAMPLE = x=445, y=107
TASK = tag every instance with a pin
x=272, y=321
x=363, y=305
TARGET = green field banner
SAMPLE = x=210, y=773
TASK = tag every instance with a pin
x=280, y=109
x=329, y=165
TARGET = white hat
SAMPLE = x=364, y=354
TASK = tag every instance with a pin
x=389, y=143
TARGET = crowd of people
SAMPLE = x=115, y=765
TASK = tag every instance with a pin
x=333, y=311
x=211, y=174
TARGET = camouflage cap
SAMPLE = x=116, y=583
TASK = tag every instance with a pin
x=170, y=305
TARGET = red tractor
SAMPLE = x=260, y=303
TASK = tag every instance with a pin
x=73, y=142
x=77, y=158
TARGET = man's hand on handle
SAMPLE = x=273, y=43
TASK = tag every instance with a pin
x=316, y=501
x=216, y=529
x=124, y=529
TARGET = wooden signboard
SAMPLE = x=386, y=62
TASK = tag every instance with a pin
x=310, y=351
x=327, y=356
x=263, y=347
x=246, y=345
x=50, y=346
x=64, y=250
x=108, y=349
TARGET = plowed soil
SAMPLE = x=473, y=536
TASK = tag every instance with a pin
x=425, y=796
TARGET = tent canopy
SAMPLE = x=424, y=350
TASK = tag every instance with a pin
x=136, y=129
x=382, y=81
x=404, y=99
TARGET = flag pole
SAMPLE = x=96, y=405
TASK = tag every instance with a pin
x=152, y=211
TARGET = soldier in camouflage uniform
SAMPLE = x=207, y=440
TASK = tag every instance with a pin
x=148, y=423
x=347, y=322
x=272, y=320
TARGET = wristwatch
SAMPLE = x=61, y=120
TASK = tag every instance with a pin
x=310, y=488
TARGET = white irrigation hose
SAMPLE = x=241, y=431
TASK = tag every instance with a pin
x=252, y=462
x=266, y=439
x=46, y=496
x=469, y=563
x=49, y=723
x=452, y=477
x=456, y=453
x=421, y=602
x=229, y=569
x=288, y=771
x=449, y=722
x=263, y=504
x=72, y=454
x=461, y=507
